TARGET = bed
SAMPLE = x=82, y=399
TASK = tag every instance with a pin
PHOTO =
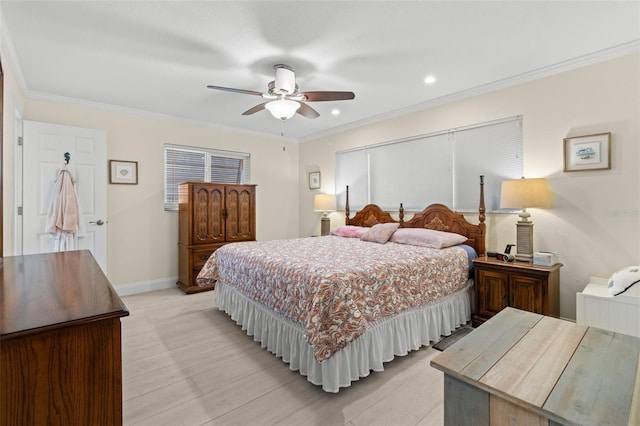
x=336, y=307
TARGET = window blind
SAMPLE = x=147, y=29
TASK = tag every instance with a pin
x=354, y=171
x=415, y=172
x=188, y=164
x=493, y=150
x=441, y=167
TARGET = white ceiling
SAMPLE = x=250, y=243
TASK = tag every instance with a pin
x=158, y=57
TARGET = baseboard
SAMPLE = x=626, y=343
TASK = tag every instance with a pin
x=145, y=286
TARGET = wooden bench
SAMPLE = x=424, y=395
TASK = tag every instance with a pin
x=530, y=369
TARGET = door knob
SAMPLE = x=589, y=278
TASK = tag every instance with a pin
x=98, y=222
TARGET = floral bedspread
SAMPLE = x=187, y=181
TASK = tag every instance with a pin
x=337, y=287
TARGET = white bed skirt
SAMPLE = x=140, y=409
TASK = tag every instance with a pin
x=395, y=336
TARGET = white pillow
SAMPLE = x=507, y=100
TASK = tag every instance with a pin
x=427, y=238
x=623, y=279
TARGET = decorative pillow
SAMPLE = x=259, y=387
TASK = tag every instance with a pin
x=622, y=280
x=349, y=231
x=380, y=233
x=427, y=238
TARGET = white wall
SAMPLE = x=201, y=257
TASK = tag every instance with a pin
x=594, y=223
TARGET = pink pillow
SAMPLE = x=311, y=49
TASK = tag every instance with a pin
x=349, y=231
x=380, y=233
x=427, y=238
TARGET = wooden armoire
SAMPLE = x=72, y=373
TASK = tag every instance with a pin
x=210, y=216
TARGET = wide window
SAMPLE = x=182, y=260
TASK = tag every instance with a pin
x=189, y=164
x=442, y=167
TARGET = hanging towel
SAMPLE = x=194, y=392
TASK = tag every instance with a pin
x=64, y=221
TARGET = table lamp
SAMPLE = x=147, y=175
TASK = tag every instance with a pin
x=522, y=194
x=324, y=203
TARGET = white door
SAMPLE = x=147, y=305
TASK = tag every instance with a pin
x=44, y=148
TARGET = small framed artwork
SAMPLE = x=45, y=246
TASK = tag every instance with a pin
x=590, y=152
x=125, y=172
x=314, y=180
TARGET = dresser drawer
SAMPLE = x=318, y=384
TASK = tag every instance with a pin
x=200, y=256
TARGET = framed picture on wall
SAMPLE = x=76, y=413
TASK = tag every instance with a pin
x=124, y=172
x=590, y=152
x=314, y=180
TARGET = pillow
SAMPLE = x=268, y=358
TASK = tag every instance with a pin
x=349, y=231
x=427, y=238
x=380, y=233
x=622, y=280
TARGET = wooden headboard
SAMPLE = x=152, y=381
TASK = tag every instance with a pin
x=436, y=216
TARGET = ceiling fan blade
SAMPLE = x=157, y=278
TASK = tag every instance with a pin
x=230, y=89
x=328, y=96
x=306, y=111
x=255, y=109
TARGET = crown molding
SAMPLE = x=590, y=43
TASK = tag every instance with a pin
x=568, y=65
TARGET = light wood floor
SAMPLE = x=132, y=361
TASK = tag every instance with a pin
x=186, y=363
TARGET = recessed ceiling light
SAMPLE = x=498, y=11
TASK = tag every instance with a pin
x=335, y=111
x=430, y=79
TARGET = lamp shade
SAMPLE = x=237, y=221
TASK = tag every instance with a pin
x=324, y=202
x=282, y=108
x=524, y=193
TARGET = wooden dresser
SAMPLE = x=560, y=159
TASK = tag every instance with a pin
x=60, y=347
x=210, y=216
x=528, y=369
x=520, y=285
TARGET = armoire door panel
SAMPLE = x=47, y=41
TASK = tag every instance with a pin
x=240, y=221
x=208, y=206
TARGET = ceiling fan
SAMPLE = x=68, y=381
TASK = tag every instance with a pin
x=283, y=97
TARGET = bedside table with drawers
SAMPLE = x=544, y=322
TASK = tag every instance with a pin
x=520, y=285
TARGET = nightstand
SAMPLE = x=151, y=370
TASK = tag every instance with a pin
x=520, y=285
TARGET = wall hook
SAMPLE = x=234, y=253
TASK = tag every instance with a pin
x=67, y=157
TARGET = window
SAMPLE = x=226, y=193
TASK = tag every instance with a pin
x=188, y=164
x=442, y=167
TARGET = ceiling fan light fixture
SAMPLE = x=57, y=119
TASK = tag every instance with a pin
x=282, y=108
x=285, y=82
x=283, y=96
